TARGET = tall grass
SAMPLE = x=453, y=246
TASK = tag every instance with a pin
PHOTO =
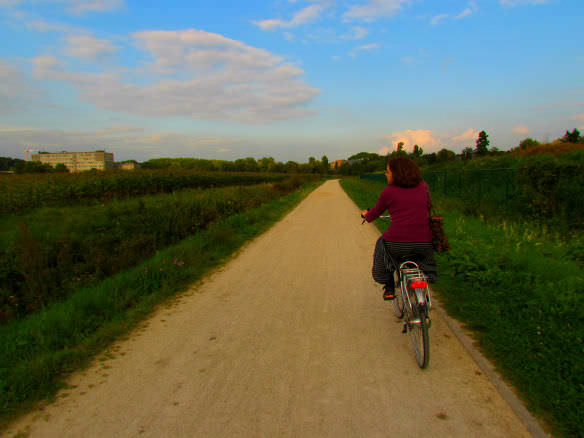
x=20, y=193
x=521, y=293
x=56, y=250
x=35, y=352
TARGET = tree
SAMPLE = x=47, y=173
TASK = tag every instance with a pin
x=266, y=164
x=7, y=163
x=32, y=167
x=325, y=164
x=291, y=167
x=431, y=158
x=61, y=168
x=445, y=155
x=418, y=151
x=400, y=146
x=482, y=144
x=467, y=153
x=572, y=137
x=528, y=143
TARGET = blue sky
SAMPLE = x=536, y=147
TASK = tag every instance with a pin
x=286, y=78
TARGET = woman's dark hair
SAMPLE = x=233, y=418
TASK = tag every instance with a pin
x=404, y=171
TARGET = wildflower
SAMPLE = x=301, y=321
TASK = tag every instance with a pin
x=180, y=263
x=174, y=260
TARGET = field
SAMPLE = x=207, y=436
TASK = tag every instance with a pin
x=19, y=193
x=114, y=262
x=521, y=292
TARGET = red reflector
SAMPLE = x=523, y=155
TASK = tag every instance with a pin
x=418, y=284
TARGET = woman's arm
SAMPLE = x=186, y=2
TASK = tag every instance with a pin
x=379, y=208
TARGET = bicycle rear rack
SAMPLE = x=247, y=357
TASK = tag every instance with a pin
x=411, y=272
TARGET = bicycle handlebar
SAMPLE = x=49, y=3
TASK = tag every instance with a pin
x=387, y=216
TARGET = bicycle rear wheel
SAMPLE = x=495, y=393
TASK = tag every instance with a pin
x=398, y=302
x=418, y=329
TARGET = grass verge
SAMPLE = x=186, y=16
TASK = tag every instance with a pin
x=37, y=352
x=522, y=296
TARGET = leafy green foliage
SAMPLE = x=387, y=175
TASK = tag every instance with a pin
x=572, y=137
x=56, y=251
x=541, y=188
x=524, y=298
x=482, y=143
x=19, y=193
x=521, y=292
x=38, y=351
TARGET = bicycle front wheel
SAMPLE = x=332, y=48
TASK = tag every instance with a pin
x=418, y=329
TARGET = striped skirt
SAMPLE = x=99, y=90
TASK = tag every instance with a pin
x=420, y=252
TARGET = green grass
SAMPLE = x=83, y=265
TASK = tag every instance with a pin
x=39, y=350
x=51, y=252
x=521, y=293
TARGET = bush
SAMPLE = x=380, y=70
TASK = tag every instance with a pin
x=56, y=251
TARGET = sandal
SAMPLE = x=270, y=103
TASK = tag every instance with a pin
x=389, y=292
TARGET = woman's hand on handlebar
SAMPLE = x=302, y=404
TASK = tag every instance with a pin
x=363, y=214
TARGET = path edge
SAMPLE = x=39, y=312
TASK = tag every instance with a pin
x=516, y=405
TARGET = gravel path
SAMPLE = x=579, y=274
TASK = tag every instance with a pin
x=289, y=339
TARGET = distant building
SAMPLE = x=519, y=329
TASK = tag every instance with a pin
x=77, y=161
x=336, y=164
x=127, y=165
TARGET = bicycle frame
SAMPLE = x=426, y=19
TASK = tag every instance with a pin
x=412, y=302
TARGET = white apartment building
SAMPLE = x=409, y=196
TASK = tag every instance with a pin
x=77, y=161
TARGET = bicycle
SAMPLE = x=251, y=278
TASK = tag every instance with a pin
x=412, y=302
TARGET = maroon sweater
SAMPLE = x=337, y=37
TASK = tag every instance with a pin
x=409, y=213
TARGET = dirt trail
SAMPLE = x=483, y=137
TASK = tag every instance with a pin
x=289, y=339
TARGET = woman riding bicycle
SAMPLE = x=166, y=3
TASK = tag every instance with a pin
x=407, y=198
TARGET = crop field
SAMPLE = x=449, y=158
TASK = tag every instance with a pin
x=75, y=278
x=20, y=193
x=521, y=292
x=48, y=252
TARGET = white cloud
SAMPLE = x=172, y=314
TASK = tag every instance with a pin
x=425, y=138
x=73, y=6
x=9, y=3
x=371, y=46
x=465, y=13
x=375, y=9
x=429, y=140
x=522, y=2
x=88, y=47
x=520, y=130
x=221, y=79
x=559, y=104
x=363, y=48
x=84, y=6
x=129, y=141
x=435, y=20
x=472, y=8
x=303, y=16
x=356, y=33
x=15, y=90
x=469, y=135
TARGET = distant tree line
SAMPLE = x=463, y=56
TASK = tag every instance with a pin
x=363, y=162
x=17, y=165
x=249, y=164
